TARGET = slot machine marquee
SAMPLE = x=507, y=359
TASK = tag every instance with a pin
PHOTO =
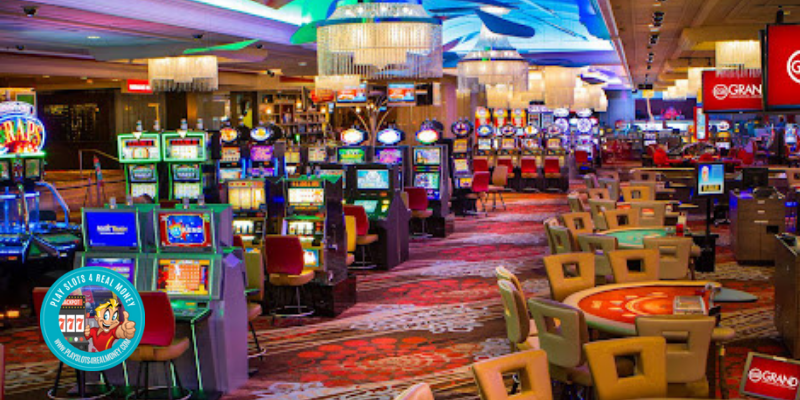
x=230, y=165
x=140, y=154
x=185, y=153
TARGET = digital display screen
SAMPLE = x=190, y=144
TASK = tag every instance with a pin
x=339, y=173
x=710, y=179
x=460, y=146
x=229, y=174
x=190, y=191
x=124, y=266
x=427, y=180
x=356, y=94
x=460, y=166
x=352, y=155
x=140, y=150
x=317, y=154
x=185, y=230
x=369, y=205
x=183, y=277
x=231, y=154
x=389, y=156
x=310, y=258
x=726, y=145
x=111, y=229
x=184, y=149
x=484, y=144
x=291, y=169
x=427, y=156
x=401, y=93
x=509, y=143
x=306, y=196
x=186, y=172
x=141, y=189
x=246, y=196
x=372, y=179
x=553, y=143
x=261, y=153
x=142, y=173
x=33, y=169
x=293, y=157
x=5, y=171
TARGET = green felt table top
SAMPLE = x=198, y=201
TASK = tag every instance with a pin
x=634, y=237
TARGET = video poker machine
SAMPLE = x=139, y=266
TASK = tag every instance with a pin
x=315, y=155
x=462, y=154
x=184, y=153
x=231, y=164
x=353, y=152
x=390, y=153
x=377, y=188
x=531, y=159
x=140, y=153
x=293, y=163
x=264, y=156
x=248, y=199
x=431, y=171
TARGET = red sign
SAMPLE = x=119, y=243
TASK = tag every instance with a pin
x=771, y=377
x=139, y=86
x=729, y=92
x=322, y=95
x=783, y=67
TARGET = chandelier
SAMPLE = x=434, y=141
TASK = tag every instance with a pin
x=183, y=74
x=738, y=54
x=559, y=86
x=380, y=40
x=696, y=79
x=493, y=62
x=336, y=82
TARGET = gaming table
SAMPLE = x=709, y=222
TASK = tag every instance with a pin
x=633, y=238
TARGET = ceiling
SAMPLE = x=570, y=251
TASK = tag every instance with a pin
x=688, y=32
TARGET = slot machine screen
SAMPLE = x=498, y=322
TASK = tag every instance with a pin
x=187, y=191
x=186, y=172
x=310, y=258
x=142, y=173
x=461, y=166
x=389, y=156
x=317, y=154
x=231, y=154
x=141, y=189
x=484, y=144
x=306, y=196
x=229, y=174
x=180, y=230
x=107, y=229
x=724, y=145
x=372, y=179
x=292, y=157
x=509, y=143
x=427, y=180
x=369, y=205
x=123, y=266
x=245, y=198
x=352, y=155
x=33, y=169
x=140, y=150
x=427, y=156
x=5, y=171
x=184, y=149
x=291, y=169
x=554, y=143
x=181, y=277
x=261, y=153
x=460, y=146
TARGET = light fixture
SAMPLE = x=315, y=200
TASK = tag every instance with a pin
x=493, y=64
x=380, y=40
x=738, y=54
x=183, y=74
x=559, y=83
x=336, y=82
x=93, y=37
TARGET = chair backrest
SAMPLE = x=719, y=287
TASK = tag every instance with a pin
x=500, y=175
x=674, y=253
x=578, y=222
x=515, y=313
x=530, y=366
x=503, y=274
x=352, y=233
x=39, y=294
x=621, y=218
x=599, y=207
x=362, y=219
x=552, y=166
x=581, y=156
x=283, y=254
x=689, y=338
x=552, y=221
x=793, y=177
x=641, y=175
x=590, y=180
x=417, y=199
x=159, y=321
x=575, y=203
x=600, y=246
x=599, y=193
x=480, y=165
x=420, y=391
x=480, y=182
x=528, y=166
x=612, y=185
x=637, y=193
x=564, y=282
x=608, y=174
x=646, y=259
x=649, y=379
x=562, y=239
x=651, y=213
x=562, y=331
x=254, y=264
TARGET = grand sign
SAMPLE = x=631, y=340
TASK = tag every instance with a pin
x=728, y=92
x=21, y=132
x=770, y=377
x=782, y=72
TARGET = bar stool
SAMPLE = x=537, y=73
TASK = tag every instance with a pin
x=159, y=344
x=284, y=256
x=418, y=203
x=363, y=237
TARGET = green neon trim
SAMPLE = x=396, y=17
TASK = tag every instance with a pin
x=197, y=359
x=223, y=47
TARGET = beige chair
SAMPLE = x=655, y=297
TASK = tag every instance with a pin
x=562, y=239
x=608, y=174
x=591, y=181
x=352, y=238
x=598, y=209
x=502, y=274
x=599, y=193
x=420, y=391
x=688, y=340
x=518, y=322
x=640, y=175
x=578, y=223
x=530, y=367
x=563, y=334
x=613, y=186
x=553, y=221
x=651, y=213
x=649, y=379
x=563, y=279
x=647, y=260
x=674, y=256
x=498, y=186
x=600, y=246
x=637, y=193
x=621, y=218
x=575, y=203
x=793, y=178
x=254, y=265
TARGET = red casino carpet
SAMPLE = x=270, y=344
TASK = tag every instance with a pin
x=428, y=319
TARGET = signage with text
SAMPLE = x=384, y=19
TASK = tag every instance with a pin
x=731, y=93
x=138, y=86
x=782, y=72
x=710, y=179
x=770, y=377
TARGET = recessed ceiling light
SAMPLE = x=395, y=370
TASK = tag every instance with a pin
x=93, y=37
x=115, y=80
x=45, y=76
x=84, y=78
x=302, y=63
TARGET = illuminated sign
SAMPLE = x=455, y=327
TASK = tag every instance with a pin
x=427, y=136
x=531, y=130
x=390, y=136
x=401, y=93
x=561, y=112
x=353, y=136
x=584, y=113
x=700, y=124
x=723, y=126
x=139, y=86
x=710, y=179
x=727, y=92
x=500, y=116
x=20, y=132
x=261, y=133
x=485, y=130
x=782, y=69
x=482, y=116
x=770, y=377
x=228, y=135
x=461, y=128
x=584, y=125
x=508, y=130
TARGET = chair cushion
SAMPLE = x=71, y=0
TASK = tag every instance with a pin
x=351, y=258
x=160, y=353
x=253, y=311
x=422, y=213
x=366, y=239
x=493, y=188
x=552, y=175
x=530, y=175
x=722, y=333
x=291, y=280
x=532, y=343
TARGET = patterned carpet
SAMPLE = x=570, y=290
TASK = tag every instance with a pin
x=428, y=319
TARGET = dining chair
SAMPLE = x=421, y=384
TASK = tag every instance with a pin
x=578, y=223
x=515, y=314
x=530, y=367
x=599, y=193
x=575, y=203
x=649, y=377
x=598, y=209
x=569, y=273
x=599, y=246
x=553, y=221
x=673, y=256
x=646, y=259
x=621, y=218
x=613, y=186
x=562, y=239
x=637, y=193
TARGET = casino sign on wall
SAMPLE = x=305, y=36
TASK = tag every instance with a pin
x=21, y=132
x=782, y=72
x=729, y=92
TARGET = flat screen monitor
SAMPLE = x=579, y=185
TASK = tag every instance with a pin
x=484, y=144
x=317, y=154
x=185, y=230
x=401, y=93
x=123, y=266
x=354, y=94
x=369, y=205
x=710, y=179
x=427, y=156
x=111, y=229
x=427, y=180
x=509, y=144
x=141, y=189
x=311, y=258
x=306, y=196
x=33, y=169
x=461, y=166
x=460, y=146
x=391, y=156
x=261, y=153
x=246, y=197
x=351, y=155
x=184, y=149
x=372, y=179
x=183, y=277
x=293, y=157
x=186, y=172
x=770, y=377
x=755, y=177
x=184, y=190
x=231, y=154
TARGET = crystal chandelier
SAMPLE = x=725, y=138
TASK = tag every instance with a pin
x=695, y=80
x=336, y=82
x=559, y=86
x=379, y=40
x=183, y=74
x=738, y=54
x=491, y=63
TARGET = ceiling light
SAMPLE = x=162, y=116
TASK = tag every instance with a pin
x=93, y=37
x=45, y=76
x=302, y=63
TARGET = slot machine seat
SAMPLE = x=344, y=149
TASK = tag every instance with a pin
x=254, y=265
x=480, y=165
x=418, y=204
x=158, y=343
x=508, y=163
x=352, y=244
x=528, y=168
x=285, y=261
x=363, y=237
x=480, y=188
x=552, y=168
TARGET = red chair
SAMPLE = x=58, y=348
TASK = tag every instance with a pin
x=746, y=157
x=529, y=170
x=581, y=157
x=509, y=164
x=480, y=188
x=158, y=342
x=552, y=168
x=285, y=260
x=363, y=237
x=706, y=157
x=418, y=204
x=480, y=165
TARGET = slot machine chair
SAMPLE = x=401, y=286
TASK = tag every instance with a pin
x=582, y=161
x=530, y=178
x=254, y=266
x=352, y=236
x=554, y=175
x=418, y=204
x=39, y=294
x=480, y=190
x=363, y=237
x=158, y=343
x=498, y=186
x=480, y=165
x=285, y=262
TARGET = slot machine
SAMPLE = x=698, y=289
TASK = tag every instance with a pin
x=139, y=153
x=353, y=152
x=555, y=168
x=507, y=150
x=584, y=147
x=184, y=153
x=293, y=161
x=723, y=140
x=389, y=153
x=484, y=150
x=431, y=172
x=316, y=155
x=530, y=160
x=247, y=198
x=462, y=154
x=265, y=158
x=231, y=165
x=377, y=189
